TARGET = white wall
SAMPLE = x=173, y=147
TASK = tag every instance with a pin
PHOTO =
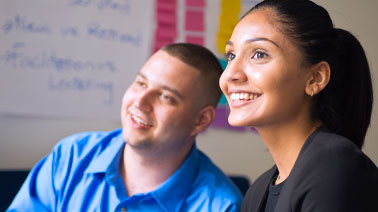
x=25, y=140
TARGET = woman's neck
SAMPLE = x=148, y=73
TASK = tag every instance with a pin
x=285, y=143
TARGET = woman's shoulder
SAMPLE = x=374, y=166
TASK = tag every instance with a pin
x=324, y=139
x=332, y=148
x=332, y=160
x=330, y=171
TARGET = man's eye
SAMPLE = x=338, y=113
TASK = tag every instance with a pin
x=229, y=56
x=167, y=98
x=141, y=84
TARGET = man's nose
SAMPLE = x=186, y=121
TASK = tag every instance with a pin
x=144, y=101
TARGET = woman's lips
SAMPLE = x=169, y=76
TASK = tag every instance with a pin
x=239, y=99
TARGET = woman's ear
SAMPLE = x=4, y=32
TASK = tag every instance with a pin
x=319, y=78
x=204, y=119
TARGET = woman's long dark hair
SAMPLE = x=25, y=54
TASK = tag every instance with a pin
x=345, y=105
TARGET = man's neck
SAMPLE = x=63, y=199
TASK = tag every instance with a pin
x=142, y=174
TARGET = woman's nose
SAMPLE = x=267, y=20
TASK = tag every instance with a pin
x=234, y=72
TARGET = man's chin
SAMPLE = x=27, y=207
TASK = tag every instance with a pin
x=139, y=144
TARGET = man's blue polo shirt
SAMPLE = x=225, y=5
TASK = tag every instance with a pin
x=82, y=174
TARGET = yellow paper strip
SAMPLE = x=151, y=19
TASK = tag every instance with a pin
x=228, y=18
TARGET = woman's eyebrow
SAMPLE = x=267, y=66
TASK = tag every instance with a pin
x=230, y=43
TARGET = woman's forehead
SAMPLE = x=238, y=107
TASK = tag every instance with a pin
x=256, y=26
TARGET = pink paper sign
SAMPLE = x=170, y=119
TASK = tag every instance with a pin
x=194, y=20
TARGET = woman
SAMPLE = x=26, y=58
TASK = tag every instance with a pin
x=306, y=88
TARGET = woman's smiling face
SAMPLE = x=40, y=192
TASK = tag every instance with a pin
x=264, y=81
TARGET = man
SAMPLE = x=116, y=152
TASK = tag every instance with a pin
x=152, y=164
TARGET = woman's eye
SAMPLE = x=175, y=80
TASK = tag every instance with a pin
x=229, y=56
x=259, y=55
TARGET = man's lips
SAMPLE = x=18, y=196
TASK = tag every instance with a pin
x=140, y=121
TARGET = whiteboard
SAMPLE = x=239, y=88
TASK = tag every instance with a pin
x=71, y=58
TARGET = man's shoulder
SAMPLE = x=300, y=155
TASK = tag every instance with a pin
x=82, y=147
x=213, y=181
x=212, y=190
x=86, y=140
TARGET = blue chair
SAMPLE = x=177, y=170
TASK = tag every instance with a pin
x=10, y=183
x=241, y=182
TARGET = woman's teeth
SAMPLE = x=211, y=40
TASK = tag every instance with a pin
x=243, y=96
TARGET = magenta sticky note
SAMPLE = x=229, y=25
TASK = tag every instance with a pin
x=166, y=32
x=166, y=6
x=194, y=39
x=195, y=3
x=166, y=18
x=194, y=20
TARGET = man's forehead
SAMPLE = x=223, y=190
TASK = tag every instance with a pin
x=176, y=86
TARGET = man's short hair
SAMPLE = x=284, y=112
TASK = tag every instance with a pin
x=205, y=62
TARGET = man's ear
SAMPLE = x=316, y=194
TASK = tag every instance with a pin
x=204, y=119
x=319, y=78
